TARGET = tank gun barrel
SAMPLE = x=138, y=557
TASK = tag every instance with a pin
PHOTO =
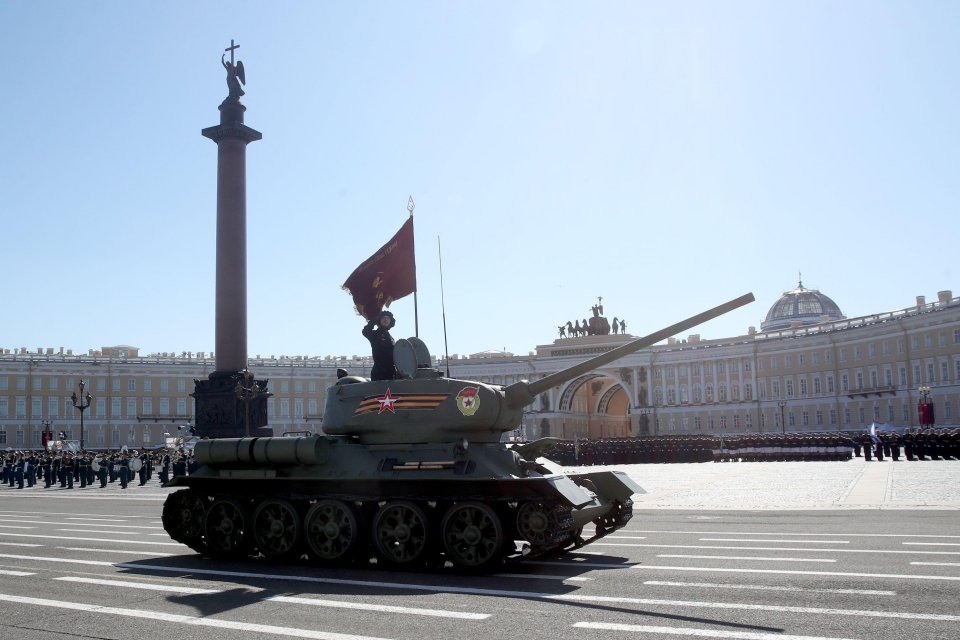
x=522, y=393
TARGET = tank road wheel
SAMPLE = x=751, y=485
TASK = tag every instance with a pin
x=276, y=528
x=331, y=531
x=472, y=535
x=183, y=516
x=225, y=528
x=535, y=524
x=400, y=533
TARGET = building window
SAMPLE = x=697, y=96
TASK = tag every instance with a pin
x=816, y=385
x=888, y=377
x=930, y=378
x=944, y=372
x=899, y=345
x=830, y=387
x=863, y=415
x=131, y=384
x=115, y=384
x=164, y=386
x=833, y=416
x=789, y=383
x=876, y=413
x=53, y=405
x=36, y=407
x=889, y=413
x=906, y=412
x=859, y=375
x=787, y=361
x=903, y=376
x=148, y=406
x=872, y=350
x=803, y=386
x=775, y=384
x=846, y=415
x=4, y=407
x=54, y=383
x=148, y=385
x=4, y=384
x=181, y=406
x=181, y=385
x=873, y=379
x=791, y=419
x=927, y=341
x=805, y=418
x=722, y=392
x=3, y=437
x=37, y=383
x=748, y=392
x=131, y=407
x=115, y=407
x=827, y=357
x=947, y=411
x=284, y=408
x=115, y=437
x=164, y=406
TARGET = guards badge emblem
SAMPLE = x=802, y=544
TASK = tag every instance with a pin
x=468, y=400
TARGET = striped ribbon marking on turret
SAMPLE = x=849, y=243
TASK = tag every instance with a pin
x=402, y=402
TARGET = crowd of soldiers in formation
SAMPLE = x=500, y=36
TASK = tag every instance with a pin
x=935, y=444
x=68, y=470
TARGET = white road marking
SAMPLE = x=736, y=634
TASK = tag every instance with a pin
x=663, y=555
x=716, y=547
x=98, y=519
x=935, y=544
x=4, y=572
x=132, y=533
x=744, y=606
x=366, y=606
x=696, y=633
x=9, y=526
x=764, y=587
x=19, y=544
x=791, y=533
x=938, y=564
x=80, y=524
x=138, y=552
x=538, y=576
x=139, y=585
x=31, y=535
x=182, y=619
x=795, y=572
x=769, y=540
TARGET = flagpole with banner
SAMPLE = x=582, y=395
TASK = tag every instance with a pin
x=388, y=275
x=413, y=256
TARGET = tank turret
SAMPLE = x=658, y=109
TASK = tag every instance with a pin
x=424, y=406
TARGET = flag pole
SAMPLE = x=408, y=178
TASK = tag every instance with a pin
x=416, y=319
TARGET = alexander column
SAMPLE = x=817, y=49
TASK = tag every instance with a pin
x=231, y=401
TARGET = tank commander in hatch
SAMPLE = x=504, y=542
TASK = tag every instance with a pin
x=377, y=332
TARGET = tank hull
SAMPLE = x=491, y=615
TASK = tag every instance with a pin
x=335, y=502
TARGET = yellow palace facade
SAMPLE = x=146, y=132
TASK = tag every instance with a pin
x=809, y=368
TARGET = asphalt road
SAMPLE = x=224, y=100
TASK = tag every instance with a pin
x=97, y=564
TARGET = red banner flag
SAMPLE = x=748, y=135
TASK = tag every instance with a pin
x=387, y=275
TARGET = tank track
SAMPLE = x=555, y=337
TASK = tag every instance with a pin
x=469, y=534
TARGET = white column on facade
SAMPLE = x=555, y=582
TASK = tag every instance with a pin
x=635, y=400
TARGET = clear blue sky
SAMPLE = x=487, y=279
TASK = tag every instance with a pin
x=666, y=156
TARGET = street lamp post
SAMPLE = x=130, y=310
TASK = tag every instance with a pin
x=783, y=425
x=81, y=403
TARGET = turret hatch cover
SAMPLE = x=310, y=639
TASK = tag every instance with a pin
x=405, y=358
x=424, y=361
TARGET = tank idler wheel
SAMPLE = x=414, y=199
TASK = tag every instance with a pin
x=331, y=531
x=535, y=524
x=225, y=528
x=182, y=517
x=400, y=533
x=276, y=528
x=472, y=535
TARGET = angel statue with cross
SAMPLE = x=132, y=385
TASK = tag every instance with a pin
x=235, y=74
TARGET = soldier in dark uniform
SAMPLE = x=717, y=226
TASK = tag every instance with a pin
x=67, y=466
x=165, y=468
x=908, y=444
x=124, y=465
x=82, y=463
x=377, y=332
x=142, y=472
x=867, y=444
x=102, y=472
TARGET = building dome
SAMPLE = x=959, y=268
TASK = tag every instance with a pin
x=801, y=306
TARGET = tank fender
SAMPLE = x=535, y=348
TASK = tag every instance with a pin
x=570, y=491
x=612, y=485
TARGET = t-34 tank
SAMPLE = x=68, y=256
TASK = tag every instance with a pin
x=410, y=471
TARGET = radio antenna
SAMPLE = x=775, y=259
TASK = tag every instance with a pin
x=443, y=309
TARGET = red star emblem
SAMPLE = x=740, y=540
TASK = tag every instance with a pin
x=387, y=402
